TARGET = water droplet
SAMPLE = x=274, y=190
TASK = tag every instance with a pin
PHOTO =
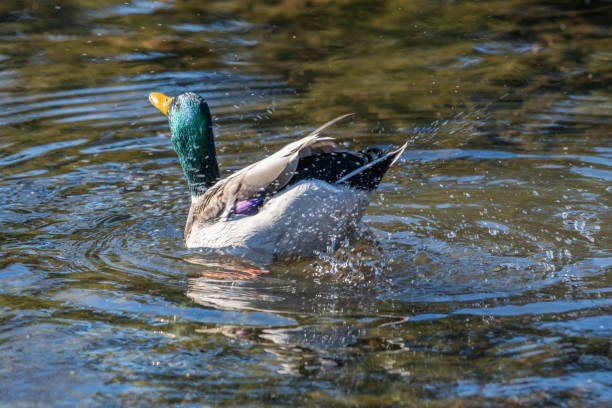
x=579, y=225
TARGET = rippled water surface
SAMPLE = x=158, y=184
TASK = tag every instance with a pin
x=492, y=281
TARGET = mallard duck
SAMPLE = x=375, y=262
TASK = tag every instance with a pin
x=299, y=200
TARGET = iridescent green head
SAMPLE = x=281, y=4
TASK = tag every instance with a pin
x=192, y=137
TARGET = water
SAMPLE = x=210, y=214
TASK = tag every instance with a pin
x=490, y=284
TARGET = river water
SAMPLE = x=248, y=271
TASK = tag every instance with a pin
x=491, y=283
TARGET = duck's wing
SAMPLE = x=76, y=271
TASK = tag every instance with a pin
x=274, y=172
x=262, y=178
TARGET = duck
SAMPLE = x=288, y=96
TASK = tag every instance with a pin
x=303, y=199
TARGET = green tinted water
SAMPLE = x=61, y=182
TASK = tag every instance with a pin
x=492, y=281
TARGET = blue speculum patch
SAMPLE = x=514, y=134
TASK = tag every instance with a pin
x=248, y=207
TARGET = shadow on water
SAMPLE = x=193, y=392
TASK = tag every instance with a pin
x=489, y=284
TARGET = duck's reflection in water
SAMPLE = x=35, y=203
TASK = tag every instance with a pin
x=303, y=350
x=230, y=283
x=227, y=268
x=312, y=344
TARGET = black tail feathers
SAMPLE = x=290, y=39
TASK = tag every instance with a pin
x=368, y=176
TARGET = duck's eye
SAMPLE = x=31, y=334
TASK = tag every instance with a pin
x=177, y=103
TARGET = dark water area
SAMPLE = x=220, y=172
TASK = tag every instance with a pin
x=492, y=282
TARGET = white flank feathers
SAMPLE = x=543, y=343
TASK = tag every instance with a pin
x=305, y=218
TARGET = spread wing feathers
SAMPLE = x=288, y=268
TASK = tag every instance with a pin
x=264, y=177
x=275, y=171
x=328, y=124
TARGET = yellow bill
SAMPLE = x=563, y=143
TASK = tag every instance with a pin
x=160, y=101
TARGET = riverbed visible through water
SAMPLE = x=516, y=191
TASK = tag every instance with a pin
x=491, y=284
